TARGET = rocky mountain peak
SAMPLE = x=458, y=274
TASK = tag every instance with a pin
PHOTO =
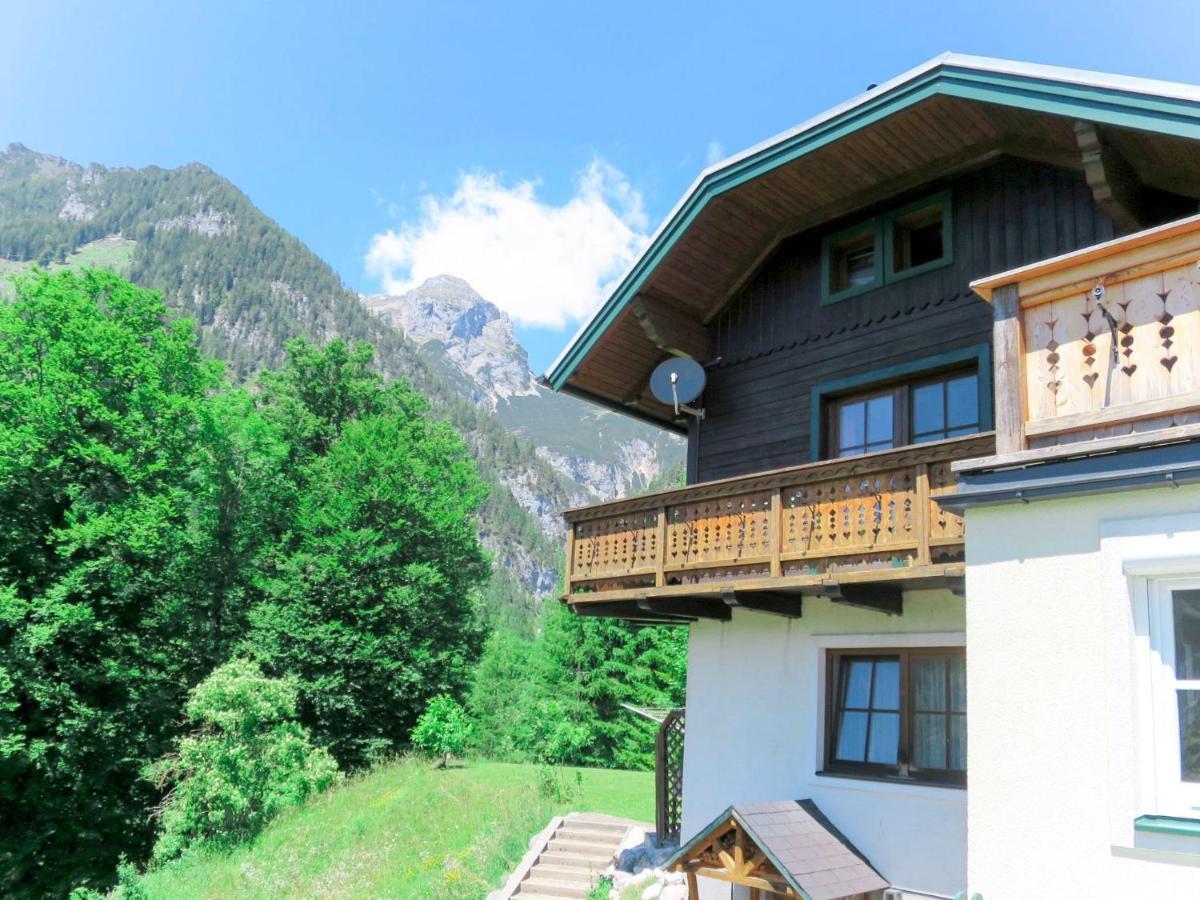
x=476, y=337
x=20, y=159
x=604, y=454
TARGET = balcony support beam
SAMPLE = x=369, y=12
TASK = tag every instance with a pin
x=628, y=611
x=880, y=597
x=1116, y=187
x=687, y=607
x=790, y=606
x=670, y=329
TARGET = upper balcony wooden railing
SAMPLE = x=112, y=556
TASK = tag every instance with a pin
x=1099, y=348
x=866, y=518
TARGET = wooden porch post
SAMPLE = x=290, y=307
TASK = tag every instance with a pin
x=569, y=570
x=776, y=536
x=1008, y=341
x=924, y=556
x=660, y=562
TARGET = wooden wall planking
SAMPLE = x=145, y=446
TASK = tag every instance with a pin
x=775, y=341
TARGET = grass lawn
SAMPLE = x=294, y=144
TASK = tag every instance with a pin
x=405, y=830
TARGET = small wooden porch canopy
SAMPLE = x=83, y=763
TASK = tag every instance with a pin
x=786, y=848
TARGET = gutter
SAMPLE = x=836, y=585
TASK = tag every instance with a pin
x=1166, y=466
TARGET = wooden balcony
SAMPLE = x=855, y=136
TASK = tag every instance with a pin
x=1099, y=349
x=857, y=530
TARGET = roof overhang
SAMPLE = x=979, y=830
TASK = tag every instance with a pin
x=737, y=211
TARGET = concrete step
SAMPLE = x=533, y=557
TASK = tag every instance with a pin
x=595, y=824
x=584, y=833
x=595, y=861
x=558, y=872
x=540, y=896
x=537, y=884
x=587, y=847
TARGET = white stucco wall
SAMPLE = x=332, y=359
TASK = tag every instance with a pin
x=755, y=721
x=1056, y=753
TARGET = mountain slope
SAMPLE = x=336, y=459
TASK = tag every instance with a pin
x=605, y=454
x=250, y=286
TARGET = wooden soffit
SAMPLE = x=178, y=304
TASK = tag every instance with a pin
x=942, y=119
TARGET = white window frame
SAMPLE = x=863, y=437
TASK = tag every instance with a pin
x=1174, y=796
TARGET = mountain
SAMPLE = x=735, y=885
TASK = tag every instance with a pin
x=606, y=454
x=250, y=286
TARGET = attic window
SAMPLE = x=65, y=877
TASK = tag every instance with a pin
x=889, y=247
x=851, y=261
x=918, y=236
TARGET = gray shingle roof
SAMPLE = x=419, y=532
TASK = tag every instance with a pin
x=808, y=850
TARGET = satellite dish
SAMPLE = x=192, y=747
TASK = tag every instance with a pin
x=677, y=382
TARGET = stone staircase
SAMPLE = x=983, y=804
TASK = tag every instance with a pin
x=571, y=861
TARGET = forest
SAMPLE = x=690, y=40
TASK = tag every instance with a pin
x=249, y=287
x=219, y=595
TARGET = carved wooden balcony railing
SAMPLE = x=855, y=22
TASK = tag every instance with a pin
x=867, y=518
x=1099, y=348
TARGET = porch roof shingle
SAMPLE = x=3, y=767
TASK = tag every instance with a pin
x=809, y=852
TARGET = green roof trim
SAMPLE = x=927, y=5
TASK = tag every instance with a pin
x=1168, y=825
x=1159, y=107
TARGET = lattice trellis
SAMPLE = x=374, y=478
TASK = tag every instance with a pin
x=668, y=777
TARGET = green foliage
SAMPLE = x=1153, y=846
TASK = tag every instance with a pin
x=557, y=785
x=597, y=665
x=557, y=699
x=103, y=622
x=371, y=601
x=443, y=730
x=251, y=287
x=248, y=759
x=154, y=520
x=358, y=841
x=670, y=477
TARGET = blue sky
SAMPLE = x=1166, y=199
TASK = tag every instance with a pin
x=529, y=147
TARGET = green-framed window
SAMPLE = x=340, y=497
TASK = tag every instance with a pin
x=852, y=261
x=918, y=237
x=915, y=238
x=933, y=398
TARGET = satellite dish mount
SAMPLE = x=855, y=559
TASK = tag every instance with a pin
x=677, y=382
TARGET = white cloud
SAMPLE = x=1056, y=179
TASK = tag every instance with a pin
x=715, y=152
x=544, y=265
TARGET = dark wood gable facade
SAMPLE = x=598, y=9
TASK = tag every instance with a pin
x=823, y=279
x=776, y=346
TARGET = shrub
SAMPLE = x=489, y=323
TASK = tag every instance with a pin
x=557, y=785
x=248, y=760
x=443, y=730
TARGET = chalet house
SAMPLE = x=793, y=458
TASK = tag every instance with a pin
x=939, y=548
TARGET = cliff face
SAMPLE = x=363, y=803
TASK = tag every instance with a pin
x=476, y=338
x=604, y=454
